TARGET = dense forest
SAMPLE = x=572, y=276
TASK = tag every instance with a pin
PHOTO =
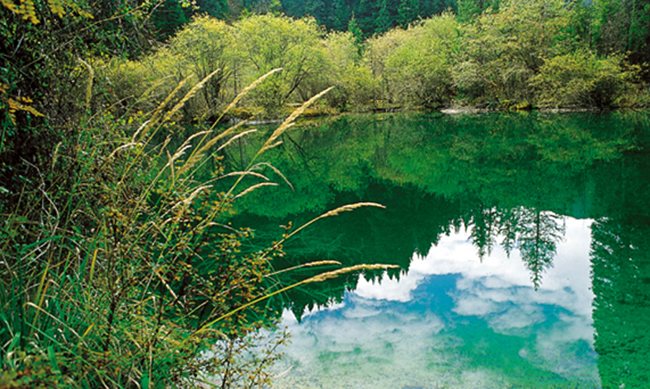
x=398, y=55
x=119, y=267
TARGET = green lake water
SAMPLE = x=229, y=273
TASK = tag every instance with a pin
x=522, y=240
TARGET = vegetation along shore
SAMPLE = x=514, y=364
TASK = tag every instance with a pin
x=119, y=267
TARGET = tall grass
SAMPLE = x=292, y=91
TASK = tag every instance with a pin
x=119, y=272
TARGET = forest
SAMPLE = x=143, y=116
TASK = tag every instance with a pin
x=119, y=265
x=401, y=55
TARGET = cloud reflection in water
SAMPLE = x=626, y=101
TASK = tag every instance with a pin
x=454, y=322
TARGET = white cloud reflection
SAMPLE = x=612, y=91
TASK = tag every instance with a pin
x=376, y=327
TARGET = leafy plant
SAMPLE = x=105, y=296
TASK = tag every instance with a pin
x=119, y=271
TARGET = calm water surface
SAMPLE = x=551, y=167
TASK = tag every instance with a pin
x=522, y=243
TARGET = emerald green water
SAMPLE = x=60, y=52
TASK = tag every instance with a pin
x=522, y=243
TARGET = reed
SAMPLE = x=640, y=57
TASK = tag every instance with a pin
x=118, y=272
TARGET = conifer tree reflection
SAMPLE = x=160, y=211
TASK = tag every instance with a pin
x=535, y=233
x=484, y=223
x=537, y=240
x=621, y=275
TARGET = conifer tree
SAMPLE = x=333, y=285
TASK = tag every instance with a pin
x=407, y=12
x=384, y=20
x=342, y=15
x=355, y=30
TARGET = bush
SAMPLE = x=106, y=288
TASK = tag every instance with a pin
x=580, y=79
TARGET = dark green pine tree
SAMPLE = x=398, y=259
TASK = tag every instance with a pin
x=407, y=12
x=435, y=7
x=384, y=20
x=342, y=14
x=294, y=8
x=354, y=28
x=366, y=13
x=468, y=10
x=319, y=9
x=168, y=18
x=215, y=8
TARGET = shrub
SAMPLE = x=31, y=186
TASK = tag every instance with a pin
x=580, y=79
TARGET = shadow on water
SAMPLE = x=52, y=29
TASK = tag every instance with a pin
x=510, y=181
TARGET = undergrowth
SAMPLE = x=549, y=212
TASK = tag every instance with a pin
x=119, y=271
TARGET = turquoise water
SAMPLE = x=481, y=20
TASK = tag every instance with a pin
x=455, y=322
x=522, y=245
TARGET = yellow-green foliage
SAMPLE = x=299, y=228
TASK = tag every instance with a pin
x=580, y=79
x=27, y=9
x=242, y=52
x=523, y=54
x=205, y=45
x=420, y=68
x=267, y=42
x=501, y=51
x=355, y=85
x=378, y=50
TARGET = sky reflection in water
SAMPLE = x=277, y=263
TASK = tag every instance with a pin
x=455, y=322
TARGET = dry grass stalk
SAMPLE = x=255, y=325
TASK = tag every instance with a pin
x=276, y=170
x=246, y=173
x=270, y=143
x=252, y=188
x=335, y=273
x=318, y=278
x=197, y=155
x=156, y=113
x=89, y=86
x=189, y=95
x=334, y=212
x=241, y=134
x=125, y=146
x=243, y=93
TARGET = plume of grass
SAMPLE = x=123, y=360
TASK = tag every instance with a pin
x=289, y=122
x=189, y=95
x=89, y=85
x=318, y=278
x=243, y=93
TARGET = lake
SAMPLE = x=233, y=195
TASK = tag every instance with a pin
x=521, y=240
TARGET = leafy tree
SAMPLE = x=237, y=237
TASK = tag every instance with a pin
x=269, y=42
x=355, y=85
x=204, y=46
x=579, y=79
x=378, y=50
x=420, y=68
x=502, y=51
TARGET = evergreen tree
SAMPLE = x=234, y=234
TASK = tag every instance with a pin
x=366, y=13
x=168, y=18
x=355, y=30
x=385, y=20
x=294, y=8
x=215, y=8
x=407, y=12
x=342, y=14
